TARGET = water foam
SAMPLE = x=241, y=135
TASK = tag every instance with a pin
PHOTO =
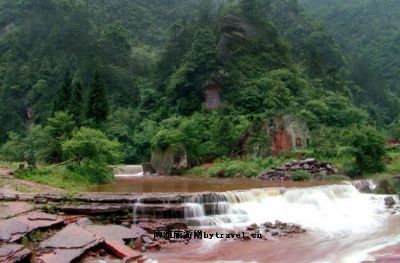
x=332, y=209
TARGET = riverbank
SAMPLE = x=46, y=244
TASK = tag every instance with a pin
x=72, y=180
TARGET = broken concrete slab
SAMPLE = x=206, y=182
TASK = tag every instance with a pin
x=10, y=253
x=11, y=209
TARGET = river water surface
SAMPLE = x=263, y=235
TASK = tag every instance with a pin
x=343, y=225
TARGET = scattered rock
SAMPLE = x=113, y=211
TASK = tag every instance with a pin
x=282, y=229
x=316, y=168
x=67, y=238
x=389, y=201
x=66, y=247
x=10, y=209
x=11, y=230
x=41, y=216
x=147, y=240
x=112, y=232
x=138, y=230
x=13, y=253
x=365, y=186
x=252, y=227
x=14, y=228
x=118, y=248
x=84, y=222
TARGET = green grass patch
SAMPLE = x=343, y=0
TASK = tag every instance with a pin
x=393, y=161
x=336, y=177
x=11, y=165
x=60, y=177
x=301, y=175
x=238, y=168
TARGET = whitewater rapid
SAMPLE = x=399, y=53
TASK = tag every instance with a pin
x=338, y=218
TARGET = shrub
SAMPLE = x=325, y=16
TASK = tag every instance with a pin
x=95, y=151
x=367, y=146
x=234, y=168
x=300, y=175
x=89, y=144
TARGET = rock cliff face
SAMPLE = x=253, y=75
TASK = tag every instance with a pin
x=289, y=133
x=280, y=134
x=233, y=29
x=169, y=161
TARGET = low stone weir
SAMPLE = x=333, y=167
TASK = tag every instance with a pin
x=122, y=171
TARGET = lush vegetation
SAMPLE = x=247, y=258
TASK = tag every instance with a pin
x=94, y=83
x=368, y=31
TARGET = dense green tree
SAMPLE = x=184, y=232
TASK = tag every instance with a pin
x=98, y=106
x=26, y=147
x=76, y=104
x=58, y=129
x=368, y=150
x=185, y=87
x=88, y=144
x=64, y=95
x=155, y=57
x=93, y=152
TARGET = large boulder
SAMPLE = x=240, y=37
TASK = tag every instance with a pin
x=169, y=161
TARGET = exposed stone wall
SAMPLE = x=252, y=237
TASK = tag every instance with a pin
x=286, y=133
x=297, y=130
x=281, y=142
x=164, y=162
x=212, y=96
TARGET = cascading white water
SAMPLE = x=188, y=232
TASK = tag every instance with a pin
x=135, y=210
x=350, y=223
x=332, y=209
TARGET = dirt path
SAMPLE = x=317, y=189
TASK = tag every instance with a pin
x=10, y=184
x=5, y=171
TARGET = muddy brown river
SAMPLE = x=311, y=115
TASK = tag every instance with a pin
x=156, y=184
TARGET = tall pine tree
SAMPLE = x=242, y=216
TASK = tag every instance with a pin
x=61, y=103
x=76, y=103
x=98, y=107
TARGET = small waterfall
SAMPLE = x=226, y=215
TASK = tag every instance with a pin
x=128, y=171
x=193, y=210
x=135, y=210
x=333, y=208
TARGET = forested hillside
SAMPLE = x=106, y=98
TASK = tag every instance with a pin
x=368, y=31
x=136, y=72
